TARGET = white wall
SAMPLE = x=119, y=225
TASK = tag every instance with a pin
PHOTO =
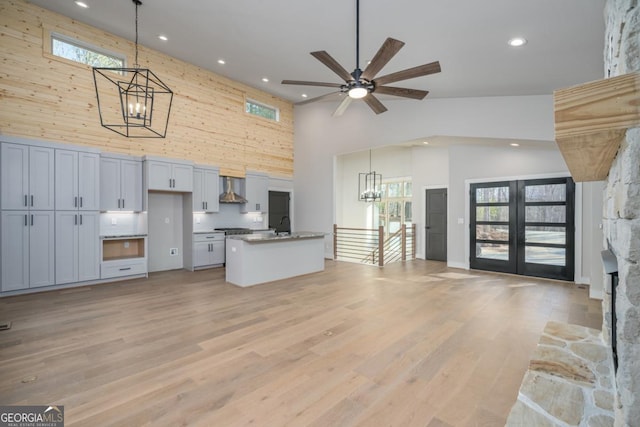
x=430, y=167
x=319, y=137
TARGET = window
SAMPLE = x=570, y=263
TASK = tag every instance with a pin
x=395, y=207
x=74, y=50
x=262, y=110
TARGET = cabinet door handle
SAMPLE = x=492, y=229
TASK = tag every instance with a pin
x=203, y=207
x=75, y=202
x=119, y=203
x=206, y=205
x=125, y=269
x=26, y=203
x=122, y=203
x=32, y=200
x=25, y=220
x=32, y=220
x=80, y=201
x=80, y=219
x=75, y=220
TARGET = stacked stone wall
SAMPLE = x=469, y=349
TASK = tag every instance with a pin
x=622, y=216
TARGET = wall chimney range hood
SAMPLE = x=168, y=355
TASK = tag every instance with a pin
x=230, y=196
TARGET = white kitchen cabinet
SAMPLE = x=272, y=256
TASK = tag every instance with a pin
x=206, y=189
x=77, y=246
x=27, y=249
x=208, y=250
x=256, y=193
x=123, y=256
x=77, y=182
x=27, y=177
x=120, y=184
x=169, y=176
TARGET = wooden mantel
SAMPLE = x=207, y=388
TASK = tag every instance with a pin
x=591, y=120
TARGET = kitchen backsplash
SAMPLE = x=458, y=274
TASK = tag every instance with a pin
x=229, y=216
x=118, y=224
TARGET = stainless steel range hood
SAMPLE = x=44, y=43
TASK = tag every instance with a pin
x=230, y=196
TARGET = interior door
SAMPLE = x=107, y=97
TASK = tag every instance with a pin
x=279, y=217
x=436, y=224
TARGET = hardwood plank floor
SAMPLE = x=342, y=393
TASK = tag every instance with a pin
x=413, y=344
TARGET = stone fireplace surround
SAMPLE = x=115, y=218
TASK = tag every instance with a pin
x=621, y=218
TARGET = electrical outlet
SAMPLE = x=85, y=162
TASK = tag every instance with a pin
x=173, y=251
x=126, y=245
x=114, y=221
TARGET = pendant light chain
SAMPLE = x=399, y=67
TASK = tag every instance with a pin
x=357, y=35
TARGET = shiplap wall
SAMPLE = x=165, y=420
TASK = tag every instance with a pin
x=45, y=97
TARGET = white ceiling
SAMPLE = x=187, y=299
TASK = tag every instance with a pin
x=259, y=38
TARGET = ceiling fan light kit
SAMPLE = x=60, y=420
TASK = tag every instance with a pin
x=362, y=84
x=133, y=102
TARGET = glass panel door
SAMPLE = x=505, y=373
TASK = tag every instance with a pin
x=524, y=227
x=493, y=227
x=546, y=228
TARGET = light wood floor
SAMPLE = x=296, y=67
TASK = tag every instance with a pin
x=410, y=344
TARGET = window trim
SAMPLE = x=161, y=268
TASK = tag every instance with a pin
x=264, y=105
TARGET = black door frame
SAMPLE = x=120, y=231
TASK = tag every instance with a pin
x=517, y=226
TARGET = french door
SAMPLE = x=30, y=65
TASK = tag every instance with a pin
x=524, y=227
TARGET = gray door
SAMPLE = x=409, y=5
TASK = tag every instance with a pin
x=279, y=211
x=436, y=224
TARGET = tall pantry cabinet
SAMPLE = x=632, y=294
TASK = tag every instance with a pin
x=77, y=196
x=27, y=206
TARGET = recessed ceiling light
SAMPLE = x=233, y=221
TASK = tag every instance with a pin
x=163, y=38
x=425, y=142
x=82, y=4
x=514, y=144
x=304, y=95
x=221, y=61
x=517, y=42
x=264, y=79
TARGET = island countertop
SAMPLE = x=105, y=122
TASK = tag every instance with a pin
x=270, y=238
x=258, y=258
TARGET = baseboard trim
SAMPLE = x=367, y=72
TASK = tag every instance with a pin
x=461, y=265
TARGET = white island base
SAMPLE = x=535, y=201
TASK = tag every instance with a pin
x=252, y=260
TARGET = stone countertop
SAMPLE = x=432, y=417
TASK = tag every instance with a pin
x=122, y=236
x=270, y=238
x=208, y=232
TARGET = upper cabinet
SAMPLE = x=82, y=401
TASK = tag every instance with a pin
x=27, y=177
x=120, y=183
x=206, y=189
x=256, y=193
x=168, y=175
x=77, y=181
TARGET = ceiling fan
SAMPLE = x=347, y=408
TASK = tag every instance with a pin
x=362, y=84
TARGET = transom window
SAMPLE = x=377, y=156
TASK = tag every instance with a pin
x=74, y=50
x=262, y=110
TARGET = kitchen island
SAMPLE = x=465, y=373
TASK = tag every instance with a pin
x=259, y=258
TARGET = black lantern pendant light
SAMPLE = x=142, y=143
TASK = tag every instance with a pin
x=369, y=185
x=133, y=102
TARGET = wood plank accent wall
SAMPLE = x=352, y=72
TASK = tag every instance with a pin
x=45, y=97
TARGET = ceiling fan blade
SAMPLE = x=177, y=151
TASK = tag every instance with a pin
x=343, y=106
x=374, y=103
x=305, y=83
x=401, y=91
x=320, y=98
x=328, y=60
x=387, y=51
x=409, y=73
